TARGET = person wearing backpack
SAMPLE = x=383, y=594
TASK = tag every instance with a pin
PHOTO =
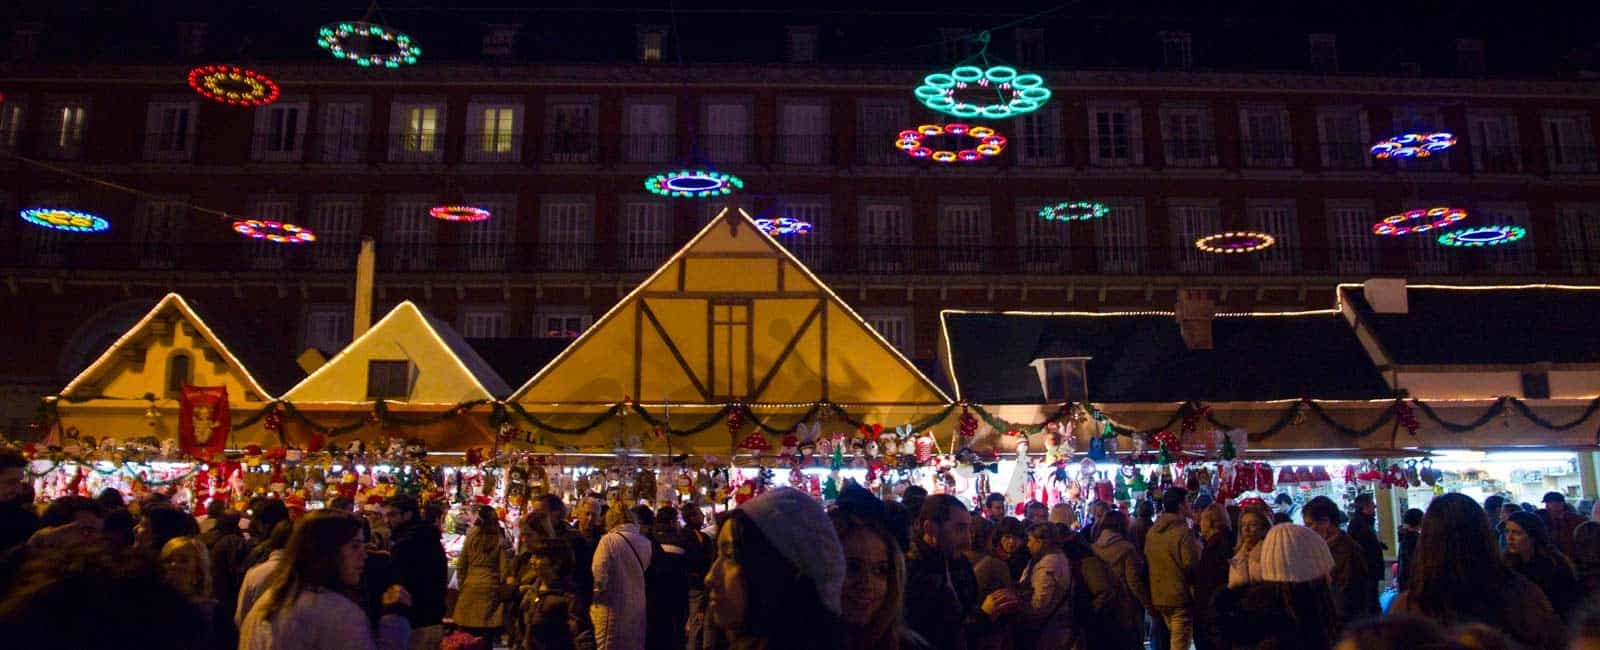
x=620, y=560
x=666, y=584
x=1047, y=609
x=1107, y=613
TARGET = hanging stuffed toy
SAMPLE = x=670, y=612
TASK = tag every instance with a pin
x=789, y=451
x=924, y=448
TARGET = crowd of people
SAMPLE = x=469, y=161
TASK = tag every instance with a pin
x=783, y=570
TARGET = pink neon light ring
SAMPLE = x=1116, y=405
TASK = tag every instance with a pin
x=276, y=232
x=464, y=213
x=1421, y=220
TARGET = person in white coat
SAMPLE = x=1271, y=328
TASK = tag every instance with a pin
x=620, y=560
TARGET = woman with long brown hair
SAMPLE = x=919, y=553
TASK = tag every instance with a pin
x=480, y=570
x=309, y=606
x=1531, y=552
x=873, y=597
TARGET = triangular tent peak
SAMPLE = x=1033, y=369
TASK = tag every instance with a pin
x=732, y=316
x=139, y=361
x=436, y=365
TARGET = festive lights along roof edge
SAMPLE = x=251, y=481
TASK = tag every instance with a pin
x=677, y=256
x=422, y=316
x=202, y=327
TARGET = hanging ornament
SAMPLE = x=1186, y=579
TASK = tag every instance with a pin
x=969, y=425
x=735, y=420
x=273, y=420
x=1168, y=448
x=1228, y=452
x=755, y=442
x=1408, y=418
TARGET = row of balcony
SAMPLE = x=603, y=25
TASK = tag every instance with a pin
x=591, y=148
x=883, y=260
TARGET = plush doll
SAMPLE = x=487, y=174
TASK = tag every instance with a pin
x=789, y=451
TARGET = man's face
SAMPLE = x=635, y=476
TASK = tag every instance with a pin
x=1555, y=507
x=395, y=516
x=1369, y=509
x=951, y=536
x=997, y=510
x=12, y=484
x=694, y=518
x=1098, y=511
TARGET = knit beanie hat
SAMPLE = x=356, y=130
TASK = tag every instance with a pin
x=796, y=525
x=1293, y=553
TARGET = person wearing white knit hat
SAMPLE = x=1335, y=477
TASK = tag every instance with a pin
x=1292, y=605
x=778, y=574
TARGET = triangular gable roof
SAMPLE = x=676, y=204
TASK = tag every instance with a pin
x=1484, y=325
x=673, y=336
x=1141, y=357
x=444, y=363
x=257, y=369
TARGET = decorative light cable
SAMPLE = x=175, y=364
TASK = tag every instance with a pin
x=1413, y=145
x=361, y=42
x=465, y=213
x=1483, y=236
x=1396, y=225
x=1235, y=242
x=783, y=226
x=65, y=220
x=915, y=142
x=693, y=183
x=233, y=85
x=1006, y=91
x=1074, y=211
x=276, y=232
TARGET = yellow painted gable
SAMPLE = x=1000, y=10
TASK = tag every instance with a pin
x=730, y=317
x=140, y=361
x=404, y=334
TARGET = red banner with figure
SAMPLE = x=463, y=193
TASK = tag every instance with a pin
x=204, y=421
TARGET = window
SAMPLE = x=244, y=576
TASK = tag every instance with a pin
x=344, y=132
x=1192, y=220
x=1045, y=245
x=1030, y=46
x=337, y=222
x=408, y=234
x=388, y=379
x=1324, y=53
x=885, y=237
x=1115, y=130
x=1342, y=130
x=1493, y=135
x=568, y=234
x=803, y=134
x=730, y=375
x=179, y=374
x=1186, y=136
x=646, y=235
x=66, y=142
x=483, y=322
x=964, y=237
x=419, y=127
x=1276, y=218
x=1266, y=136
x=1518, y=258
x=561, y=322
x=1568, y=141
x=571, y=133
x=157, y=231
x=1121, y=237
x=43, y=246
x=500, y=41
x=652, y=42
x=812, y=249
x=894, y=326
x=955, y=43
x=876, y=123
x=280, y=132
x=25, y=38
x=1038, y=137
x=1421, y=119
x=191, y=40
x=1176, y=50
x=1580, y=237
x=801, y=45
x=169, y=131
x=1424, y=253
x=727, y=132
x=486, y=245
x=1350, y=233
x=496, y=132
x=1469, y=56
x=327, y=328
x=11, y=116
x=650, y=130
x=265, y=255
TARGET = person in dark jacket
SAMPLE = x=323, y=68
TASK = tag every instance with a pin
x=1410, y=532
x=417, y=563
x=228, y=551
x=18, y=520
x=1363, y=529
x=1355, y=590
x=1531, y=552
x=1560, y=521
x=942, y=602
x=1211, y=572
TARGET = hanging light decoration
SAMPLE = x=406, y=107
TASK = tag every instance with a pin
x=368, y=44
x=1235, y=242
x=1002, y=92
x=1413, y=145
x=693, y=183
x=276, y=232
x=65, y=220
x=784, y=226
x=1074, y=211
x=465, y=213
x=985, y=143
x=1495, y=235
x=1422, y=220
x=233, y=85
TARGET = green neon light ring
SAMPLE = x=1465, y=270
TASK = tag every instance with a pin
x=1483, y=236
x=1016, y=93
x=1074, y=211
x=693, y=184
x=358, y=42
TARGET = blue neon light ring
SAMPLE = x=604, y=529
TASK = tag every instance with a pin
x=65, y=220
x=1016, y=93
x=1413, y=145
x=1483, y=236
x=784, y=226
x=355, y=40
x=693, y=184
x=1074, y=211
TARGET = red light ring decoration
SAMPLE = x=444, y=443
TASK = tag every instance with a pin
x=1229, y=243
x=1421, y=220
x=276, y=232
x=987, y=143
x=233, y=85
x=1413, y=145
x=464, y=213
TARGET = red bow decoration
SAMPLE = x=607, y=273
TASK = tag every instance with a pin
x=755, y=442
x=870, y=432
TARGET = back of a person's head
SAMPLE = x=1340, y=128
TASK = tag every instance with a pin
x=216, y=507
x=1281, y=518
x=119, y=524
x=642, y=515
x=1493, y=503
x=1395, y=632
x=1413, y=517
x=311, y=559
x=781, y=600
x=86, y=597
x=1218, y=517
x=1477, y=636
x=914, y=492
x=65, y=510
x=404, y=503
x=1320, y=509
x=11, y=458
x=1291, y=553
x=938, y=508
x=1457, y=567
x=347, y=504
x=1145, y=509
x=1586, y=544
x=268, y=512
x=1115, y=521
x=1172, y=501
x=111, y=498
x=166, y=524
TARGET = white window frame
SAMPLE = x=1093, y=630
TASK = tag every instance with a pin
x=270, y=144
x=1263, y=155
x=337, y=323
x=870, y=141
x=797, y=145
x=158, y=230
x=1358, y=148
x=964, y=235
x=13, y=116
x=1352, y=248
x=646, y=232
x=490, y=142
x=800, y=44
x=1044, y=246
x=569, y=315
x=1032, y=46
x=1479, y=135
x=170, y=146
x=69, y=120
x=487, y=245
x=336, y=218
x=343, y=130
x=484, y=322
x=566, y=227
x=1580, y=236
x=418, y=128
x=1121, y=238
x=1135, y=130
x=895, y=325
x=884, y=235
x=409, y=233
x=647, y=142
x=1177, y=50
x=500, y=40
x=1518, y=258
x=811, y=249
x=46, y=246
x=1412, y=118
x=1577, y=153
x=1038, y=139
x=1191, y=219
x=572, y=143
x=1424, y=255
x=1470, y=56
x=725, y=145
x=1183, y=147
x=1324, y=52
x=652, y=42
x=1275, y=217
x=265, y=255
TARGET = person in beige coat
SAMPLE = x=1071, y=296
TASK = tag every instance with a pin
x=1172, y=550
x=480, y=570
x=1112, y=546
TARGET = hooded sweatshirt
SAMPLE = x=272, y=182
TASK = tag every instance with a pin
x=1171, y=550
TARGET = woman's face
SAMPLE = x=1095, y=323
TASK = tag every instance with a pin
x=351, y=556
x=725, y=584
x=545, y=569
x=1010, y=544
x=182, y=570
x=1517, y=540
x=866, y=577
x=1252, y=528
x=1037, y=546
